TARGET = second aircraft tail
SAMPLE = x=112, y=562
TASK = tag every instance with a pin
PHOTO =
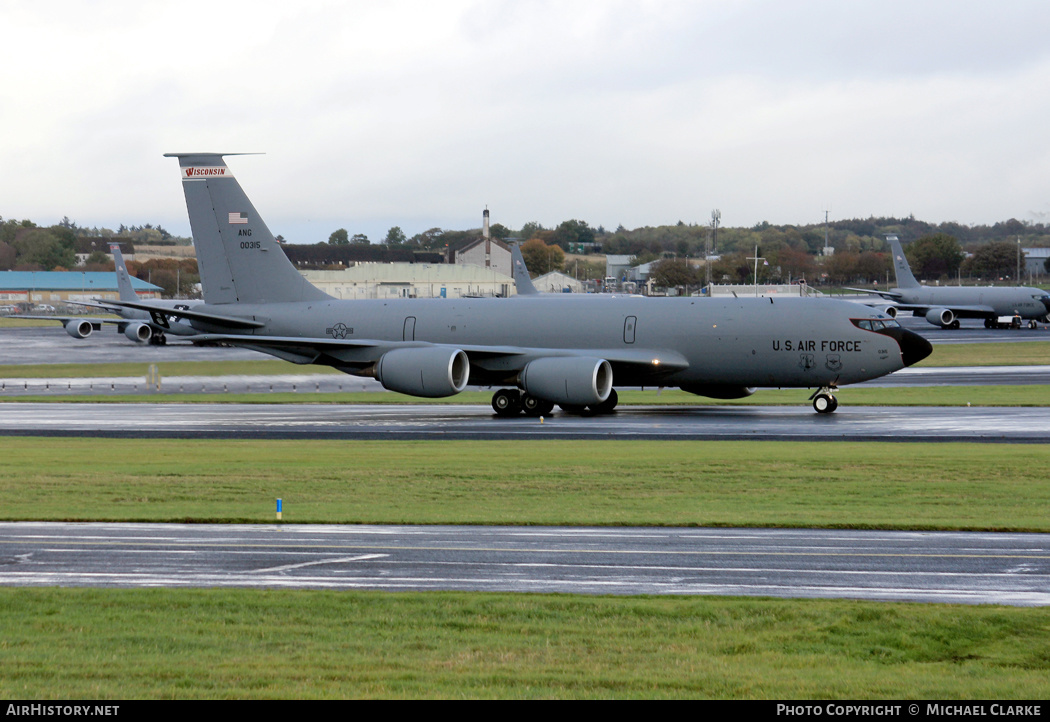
x=905, y=279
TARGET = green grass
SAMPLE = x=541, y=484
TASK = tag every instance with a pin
x=843, y=485
x=163, y=644
x=1030, y=353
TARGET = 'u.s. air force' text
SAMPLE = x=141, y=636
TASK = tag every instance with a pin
x=813, y=345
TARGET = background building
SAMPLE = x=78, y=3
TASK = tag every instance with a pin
x=51, y=287
x=412, y=280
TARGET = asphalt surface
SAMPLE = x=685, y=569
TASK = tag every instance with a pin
x=439, y=421
x=971, y=568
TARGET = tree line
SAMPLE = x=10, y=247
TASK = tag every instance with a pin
x=945, y=251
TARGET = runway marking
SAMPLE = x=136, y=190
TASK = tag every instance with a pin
x=675, y=587
x=340, y=560
x=292, y=547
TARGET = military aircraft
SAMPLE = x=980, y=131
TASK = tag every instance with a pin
x=566, y=351
x=135, y=324
x=944, y=305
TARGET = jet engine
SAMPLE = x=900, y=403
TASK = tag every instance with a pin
x=719, y=391
x=573, y=380
x=890, y=311
x=430, y=371
x=138, y=332
x=78, y=329
x=940, y=317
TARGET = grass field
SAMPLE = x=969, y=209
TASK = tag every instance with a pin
x=684, y=483
x=185, y=644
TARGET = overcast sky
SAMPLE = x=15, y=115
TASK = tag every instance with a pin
x=420, y=113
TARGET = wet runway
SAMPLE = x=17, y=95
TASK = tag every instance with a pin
x=419, y=421
x=959, y=567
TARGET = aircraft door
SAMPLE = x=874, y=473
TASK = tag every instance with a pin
x=629, y=326
x=410, y=329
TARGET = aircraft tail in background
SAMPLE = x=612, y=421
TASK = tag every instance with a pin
x=905, y=279
x=522, y=279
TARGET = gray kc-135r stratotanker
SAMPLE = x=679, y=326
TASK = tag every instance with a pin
x=570, y=351
x=134, y=323
x=944, y=305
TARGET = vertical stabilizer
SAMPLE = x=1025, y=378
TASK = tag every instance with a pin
x=905, y=279
x=238, y=258
x=522, y=280
x=127, y=292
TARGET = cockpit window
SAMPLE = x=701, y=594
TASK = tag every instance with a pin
x=875, y=324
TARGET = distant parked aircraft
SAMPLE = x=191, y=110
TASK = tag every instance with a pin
x=944, y=305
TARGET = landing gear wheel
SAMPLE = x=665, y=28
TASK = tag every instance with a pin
x=607, y=406
x=533, y=406
x=1032, y=324
x=824, y=403
x=989, y=323
x=955, y=324
x=506, y=402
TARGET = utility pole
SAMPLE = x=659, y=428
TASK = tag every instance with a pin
x=716, y=217
x=756, y=259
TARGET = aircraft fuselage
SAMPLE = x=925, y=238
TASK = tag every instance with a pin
x=753, y=342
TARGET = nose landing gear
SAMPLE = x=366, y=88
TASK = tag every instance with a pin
x=824, y=401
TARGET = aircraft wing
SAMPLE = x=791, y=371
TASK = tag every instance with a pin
x=959, y=311
x=161, y=313
x=96, y=304
x=890, y=295
x=95, y=322
x=359, y=354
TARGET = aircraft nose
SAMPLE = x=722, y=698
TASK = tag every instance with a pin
x=914, y=348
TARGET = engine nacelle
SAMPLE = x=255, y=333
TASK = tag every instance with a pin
x=430, y=371
x=940, y=317
x=719, y=391
x=138, y=332
x=574, y=380
x=78, y=329
x=890, y=311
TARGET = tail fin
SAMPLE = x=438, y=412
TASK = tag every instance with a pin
x=127, y=293
x=905, y=279
x=522, y=280
x=238, y=257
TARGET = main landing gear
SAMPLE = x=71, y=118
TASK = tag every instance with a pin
x=511, y=402
x=824, y=401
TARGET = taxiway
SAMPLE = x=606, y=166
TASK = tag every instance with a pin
x=959, y=567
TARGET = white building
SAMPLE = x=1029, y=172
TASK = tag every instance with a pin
x=557, y=282
x=411, y=280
